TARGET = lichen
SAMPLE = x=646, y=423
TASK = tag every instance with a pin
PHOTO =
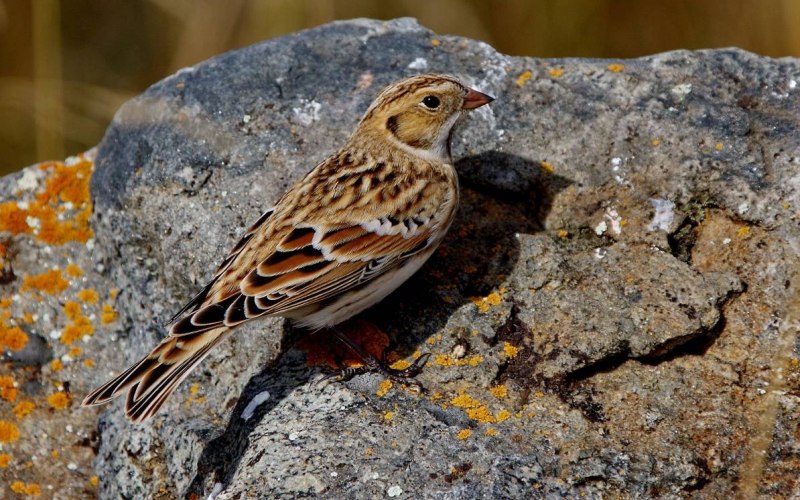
x=8, y=432
x=58, y=400
x=50, y=282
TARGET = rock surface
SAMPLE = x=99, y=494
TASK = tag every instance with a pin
x=614, y=312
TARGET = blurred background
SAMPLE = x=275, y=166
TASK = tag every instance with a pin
x=66, y=66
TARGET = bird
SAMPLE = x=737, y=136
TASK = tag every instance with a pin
x=338, y=241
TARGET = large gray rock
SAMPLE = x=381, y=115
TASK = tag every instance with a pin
x=611, y=314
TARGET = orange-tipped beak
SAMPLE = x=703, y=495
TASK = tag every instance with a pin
x=475, y=99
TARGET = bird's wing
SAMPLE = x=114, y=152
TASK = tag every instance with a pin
x=343, y=226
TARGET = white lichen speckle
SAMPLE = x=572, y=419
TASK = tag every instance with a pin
x=418, y=63
x=601, y=228
x=394, y=491
x=72, y=466
x=293, y=436
x=615, y=163
x=246, y=119
x=600, y=252
x=28, y=181
x=681, y=91
x=665, y=214
x=743, y=208
x=613, y=217
x=726, y=241
x=792, y=84
x=254, y=403
x=307, y=113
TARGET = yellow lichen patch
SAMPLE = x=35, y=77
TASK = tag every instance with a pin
x=112, y=294
x=743, y=232
x=27, y=489
x=94, y=480
x=5, y=460
x=510, y=350
x=8, y=432
x=58, y=400
x=491, y=431
x=563, y=233
x=499, y=391
x=447, y=360
x=108, y=315
x=464, y=434
x=719, y=146
x=5, y=302
x=89, y=295
x=50, y=282
x=616, y=67
x=473, y=408
x=56, y=365
x=55, y=454
x=88, y=363
x=74, y=271
x=538, y=394
x=7, y=389
x=524, y=77
x=388, y=416
x=436, y=42
x=502, y=415
x=384, y=388
x=23, y=409
x=74, y=352
x=12, y=338
x=556, y=72
x=656, y=141
x=547, y=167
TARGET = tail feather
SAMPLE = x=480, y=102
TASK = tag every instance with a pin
x=150, y=381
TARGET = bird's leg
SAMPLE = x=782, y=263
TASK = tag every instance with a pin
x=372, y=364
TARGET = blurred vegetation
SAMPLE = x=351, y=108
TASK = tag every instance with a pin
x=66, y=66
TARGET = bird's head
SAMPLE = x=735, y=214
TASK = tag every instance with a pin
x=418, y=114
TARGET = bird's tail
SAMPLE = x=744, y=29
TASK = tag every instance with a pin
x=151, y=380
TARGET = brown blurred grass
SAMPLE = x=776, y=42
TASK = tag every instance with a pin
x=66, y=66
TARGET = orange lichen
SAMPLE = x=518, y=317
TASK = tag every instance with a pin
x=89, y=295
x=436, y=42
x=473, y=408
x=563, y=233
x=524, y=77
x=388, y=416
x=510, y=350
x=491, y=431
x=56, y=365
x=50, y=282
x=108, y=315
x=400, y=364
x=74, y=271
x=8, y=432
x=547, y=167
x=94, y=480
x=384, y=388
x=502, y=415
x=88, y=363
x=447, y=360
x=464, y=434
x=28, y=489
x=23, y=409
x=5, y=460
x=719, y=146
x=74, y=352
x=5, y=302
x=556, y=72
x=72, y=309
x=616, y=67
x=64, y=192
x=7, y=389
x=499, y=391
x=12, y=338
x=58, y=400
x=55, y=454
x=76, y=330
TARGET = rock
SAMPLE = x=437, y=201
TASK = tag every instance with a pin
x=612, y=314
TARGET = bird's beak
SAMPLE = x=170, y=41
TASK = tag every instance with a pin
x=475, y=99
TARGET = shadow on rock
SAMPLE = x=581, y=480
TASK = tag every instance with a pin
x=501, y=195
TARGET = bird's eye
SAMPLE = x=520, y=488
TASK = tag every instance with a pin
x=431, y=101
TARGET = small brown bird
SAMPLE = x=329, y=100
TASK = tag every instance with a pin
x=340, y=240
